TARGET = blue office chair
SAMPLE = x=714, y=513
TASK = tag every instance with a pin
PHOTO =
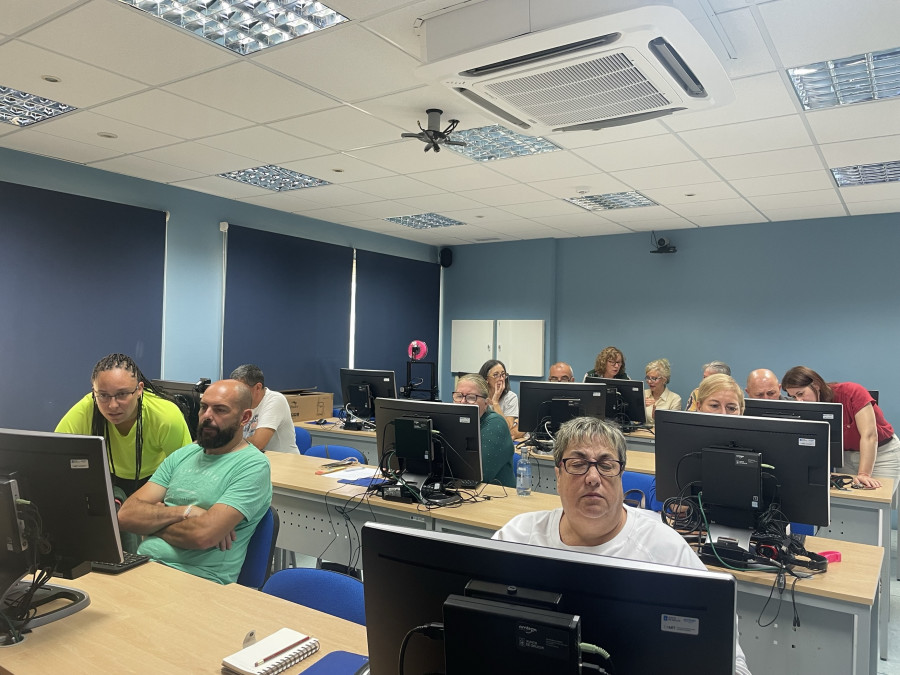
x=259, y=561
x=642, y=483
x=335, y=452
x=304, y=440
x=330, y=592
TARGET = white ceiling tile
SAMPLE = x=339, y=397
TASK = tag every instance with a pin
x=546, y=166
x=398, y=26
x=712, y=208
x=626, y=132
x=668, y=175
x=251, y=91
x=721, y=219
x=504, y=195
x=407, y=108
x=267, y=146
x=638, y=214
x=862, y=120
x=8, y=128
x=812, y=199
x=746, y=137
x=781, y=183
x=805, y=32
x=637, y=153
x=157, y=52
x=358, y=10
x=881, y=206
x=38, y=143
x=352, y=64
x=591, y=229
x=870, y=193
x=395, y=187
x=343, y=128
x=580, y=217
x=687, y=194
x=20, y=15
x=336, y=195
x=757, y=97
x=805, y=212
x=334, y=215
x=440, y=203
x=83, y=125
x=222, y=187
x=408, y=156
x=863, y=151
x=170, y=114
x=338, y=168
x=791, y=160
x=197, y=157
x=592, y=184
x=80, y=84
x=289, y=200
x=658, y=224
x=750, y=49
x=460, y=178
x=553, y=207
x=382, y=209
x=487, y=216
x=132, y=165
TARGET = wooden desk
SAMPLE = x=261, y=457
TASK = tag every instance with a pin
x=155, y=619
x=332, y=434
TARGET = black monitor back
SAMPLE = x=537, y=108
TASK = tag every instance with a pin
x=538, y=400
x=624, y=400
x=803, y=410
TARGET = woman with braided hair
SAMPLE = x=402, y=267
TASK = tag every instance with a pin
x=140, y=424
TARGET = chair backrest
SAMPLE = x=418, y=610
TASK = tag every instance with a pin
x=260, y=556
x=643, y=483
x=335, y=452
x=330, y=592
x=304, y=440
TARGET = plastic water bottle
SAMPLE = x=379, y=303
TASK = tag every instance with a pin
x=523, y=475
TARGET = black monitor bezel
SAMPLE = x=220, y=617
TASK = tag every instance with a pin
x=533, y=396
x=382, y=384
x=632, y=394
x=832, y=413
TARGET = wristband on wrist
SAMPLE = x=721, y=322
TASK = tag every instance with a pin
x=187, y=512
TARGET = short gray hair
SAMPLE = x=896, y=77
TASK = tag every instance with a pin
x=479, y=382
x=662, y=367
x=588, y=430
x=717, y=367
x=250, y=374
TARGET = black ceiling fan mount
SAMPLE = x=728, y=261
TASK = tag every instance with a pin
x=432, y=136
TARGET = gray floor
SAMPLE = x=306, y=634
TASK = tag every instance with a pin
x=892, y=666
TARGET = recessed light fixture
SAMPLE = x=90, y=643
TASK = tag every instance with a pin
x=424, y=221
x=856, y=79
x=338, y=170
x=107, y=134
x=613, y=200
x=21, y=109
x=274, y=178
x=867, y=174
x=497, y=142
x=243, y=26
x=53, y=79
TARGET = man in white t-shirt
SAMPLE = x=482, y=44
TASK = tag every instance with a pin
x=590, y=457
x=270, y=429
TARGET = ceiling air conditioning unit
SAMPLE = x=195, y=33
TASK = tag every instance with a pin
x=540, y=67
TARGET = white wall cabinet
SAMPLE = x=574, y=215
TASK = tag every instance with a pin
x=518, y=343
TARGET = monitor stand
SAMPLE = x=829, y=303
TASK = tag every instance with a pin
x=430, y=495
x=60, y=601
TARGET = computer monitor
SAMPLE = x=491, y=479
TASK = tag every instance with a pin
x=428, y=442
x=69, y=520
x=544, y=406
x=651, y=618
x=741, y=465
x=832, y=413
x=361, y=387
x=186, y=396
x=624, y=401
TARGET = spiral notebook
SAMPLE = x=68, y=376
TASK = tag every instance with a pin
x=272, y=654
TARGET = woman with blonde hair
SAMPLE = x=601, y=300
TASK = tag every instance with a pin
x=610, y=363
x=658, y=396
x=721, y=395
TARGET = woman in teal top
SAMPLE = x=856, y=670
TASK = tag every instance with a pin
x=141, y=426
x=496, y=443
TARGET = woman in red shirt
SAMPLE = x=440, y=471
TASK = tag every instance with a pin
x=870, y=445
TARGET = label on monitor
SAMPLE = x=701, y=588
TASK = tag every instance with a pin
x=82, y=463
x=597, y=393
x=465, y=419
x=811, y=442
x=684, y=625
x=827, y=416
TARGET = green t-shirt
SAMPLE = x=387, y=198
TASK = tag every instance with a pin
x=164, y=431
x=239, y=479
x=496, y=450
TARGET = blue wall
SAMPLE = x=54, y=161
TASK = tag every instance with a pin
x=192, y=332
x=822, y=293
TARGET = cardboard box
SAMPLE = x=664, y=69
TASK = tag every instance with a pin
x=307, y=406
